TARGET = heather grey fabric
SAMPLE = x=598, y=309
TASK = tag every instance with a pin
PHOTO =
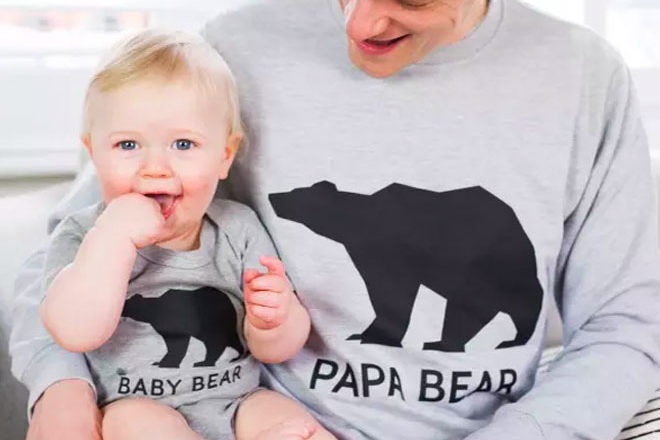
x=535, y=118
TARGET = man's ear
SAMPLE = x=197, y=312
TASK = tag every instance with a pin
x=87, y=142
x=233, y=142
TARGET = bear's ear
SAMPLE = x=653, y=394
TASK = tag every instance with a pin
x=325, y=186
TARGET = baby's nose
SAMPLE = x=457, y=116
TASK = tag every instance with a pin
x=155, y=165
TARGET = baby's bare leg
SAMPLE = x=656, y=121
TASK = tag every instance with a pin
x=267, y=415
x=144, y=419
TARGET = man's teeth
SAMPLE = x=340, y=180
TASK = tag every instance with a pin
x=381, y=42
x=385, y=42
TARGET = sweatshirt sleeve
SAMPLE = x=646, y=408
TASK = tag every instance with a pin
x=607, y=287
x=36, y=360
x=257, y=242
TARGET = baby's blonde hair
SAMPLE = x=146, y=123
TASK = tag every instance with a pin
x=169, y=54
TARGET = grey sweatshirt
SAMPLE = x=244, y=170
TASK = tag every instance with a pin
x=427, y=220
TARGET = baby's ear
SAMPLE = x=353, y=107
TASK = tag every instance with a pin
x=233, y=142
x=87, y=142
x=231, y=147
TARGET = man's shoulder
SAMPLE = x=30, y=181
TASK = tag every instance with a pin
x=555, y=49
x=261, y=24
x=538, y=31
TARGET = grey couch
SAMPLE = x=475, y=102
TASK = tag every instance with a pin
x=24, y=230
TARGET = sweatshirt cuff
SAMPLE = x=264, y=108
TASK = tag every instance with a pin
x=51, y=365
x=510, y=424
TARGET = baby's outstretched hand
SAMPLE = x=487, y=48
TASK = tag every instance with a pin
x=267, y=295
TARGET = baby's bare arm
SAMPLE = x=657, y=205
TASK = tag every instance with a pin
x=276, y=324
x=84, y=302
x=281, y=343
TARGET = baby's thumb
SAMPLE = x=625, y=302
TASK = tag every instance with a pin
x=249, y=275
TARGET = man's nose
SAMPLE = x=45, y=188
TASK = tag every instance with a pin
x=155, y=164
x=366, y=18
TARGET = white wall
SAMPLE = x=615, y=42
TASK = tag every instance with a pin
x=43, y=78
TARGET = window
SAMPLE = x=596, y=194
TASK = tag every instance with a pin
x=633, y=27
x=48, y=49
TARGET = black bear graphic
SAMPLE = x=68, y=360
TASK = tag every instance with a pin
x=467, y=245
x=177, y=315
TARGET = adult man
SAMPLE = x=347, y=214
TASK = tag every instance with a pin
x=481, y=154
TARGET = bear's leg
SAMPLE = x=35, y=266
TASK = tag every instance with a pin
x=176, y=351
x=215, y=345
x=216, y=342
x=213, y=353
x=461, y=324
x=393, y=305
x=525, y=325
x=237, y=345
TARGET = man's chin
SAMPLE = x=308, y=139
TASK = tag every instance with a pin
x=377, y=69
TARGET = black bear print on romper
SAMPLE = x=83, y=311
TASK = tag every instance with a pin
x=466, y=245
x=206, y=313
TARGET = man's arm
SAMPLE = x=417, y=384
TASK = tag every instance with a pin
x=608, y=289
x=36, y=360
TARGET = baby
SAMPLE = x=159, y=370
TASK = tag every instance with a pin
x=131, y=281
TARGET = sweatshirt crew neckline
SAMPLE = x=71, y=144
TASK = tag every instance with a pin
x=191, y=259
x=466, y=48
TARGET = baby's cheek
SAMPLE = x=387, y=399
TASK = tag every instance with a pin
x=114, y=185
x=200, y=188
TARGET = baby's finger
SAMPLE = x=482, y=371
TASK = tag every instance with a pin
x=275, y=283
x=265, y=298
x=273, y=264
x=267, y=314
x=249, y=275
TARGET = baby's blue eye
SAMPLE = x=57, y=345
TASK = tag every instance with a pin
x=183, y=144
x=127, y=145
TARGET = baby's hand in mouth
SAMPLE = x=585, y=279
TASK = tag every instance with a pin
x=166, y=201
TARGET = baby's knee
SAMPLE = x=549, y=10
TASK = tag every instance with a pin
x=139, y=418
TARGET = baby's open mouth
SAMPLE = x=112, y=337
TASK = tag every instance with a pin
x=166, y=201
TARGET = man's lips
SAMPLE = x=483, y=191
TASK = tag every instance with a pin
x=166, y=201
x=380, y=47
